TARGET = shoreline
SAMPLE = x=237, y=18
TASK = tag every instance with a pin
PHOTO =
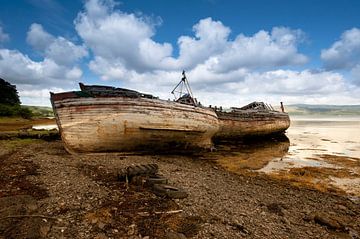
x=79, y=196
x=84, y=196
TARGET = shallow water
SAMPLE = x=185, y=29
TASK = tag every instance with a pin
x=45, y=127
x=314, y=143
x=312, y=137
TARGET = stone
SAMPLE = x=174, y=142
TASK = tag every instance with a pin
x=329, y=222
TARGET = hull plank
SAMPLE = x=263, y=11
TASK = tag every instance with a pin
x=106, y=124
x=244, y=123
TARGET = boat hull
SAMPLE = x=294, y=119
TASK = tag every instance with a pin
x=251, y=123
x=120, y=124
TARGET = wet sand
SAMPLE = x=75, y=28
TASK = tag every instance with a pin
x=320, y=152
x=47, y=193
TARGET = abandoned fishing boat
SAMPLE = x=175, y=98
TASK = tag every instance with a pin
x=254, y=119
x=105, y=119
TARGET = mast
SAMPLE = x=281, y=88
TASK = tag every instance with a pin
x=182, y=91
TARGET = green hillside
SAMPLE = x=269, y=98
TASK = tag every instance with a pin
x=304, y=109
x=40, y=111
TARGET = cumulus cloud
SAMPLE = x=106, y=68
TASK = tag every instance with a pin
x=273, y=86
x=38, y=38
x=32, y=72
x=34, y=79
x=211, y=38
x=121, y=37
x=263, y=49
x=58, y=66
x=240, y=87
x=124, y=41
x=31, y=95
x=355, y=72
x=223, y=69
x=344, y=53
x=60, y=50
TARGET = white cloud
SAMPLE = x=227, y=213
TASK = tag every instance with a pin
x=211, y=38
x=31, y=95
x=38, y=38
x=65, y=52
x=20, y=69
x=223, y=69
x=35, y=79
x=355, y=72
x=3, y=36
x=345, y=53
x=57, y=68
x=124, y=40
x=116, y=36
x=240, y=87
x=60, y=50
x=279, y=85
x=264, y=49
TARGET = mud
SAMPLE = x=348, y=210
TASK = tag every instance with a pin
x=78, y=196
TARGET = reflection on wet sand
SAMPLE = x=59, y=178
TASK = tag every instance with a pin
x=321, y=153
x=252, y=153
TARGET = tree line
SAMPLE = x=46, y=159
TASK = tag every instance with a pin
x=10, y=104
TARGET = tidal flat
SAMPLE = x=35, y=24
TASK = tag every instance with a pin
x=46, y=192
x=319, y=152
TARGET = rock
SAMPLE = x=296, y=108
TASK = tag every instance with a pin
x=101, y=225
x=237, y=225
x=276, y=208
x=342, y=207
x=326, y=220
x=309, y=217
x=132, y=230
x=44, y=230
x=101, y=236
x=285, y=221
x=174, y=235
x=353, y=234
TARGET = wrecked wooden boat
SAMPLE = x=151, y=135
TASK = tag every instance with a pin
x=109, y=119
x=254, y=119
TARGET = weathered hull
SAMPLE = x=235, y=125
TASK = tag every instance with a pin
x=126, y=124
x=251, y=123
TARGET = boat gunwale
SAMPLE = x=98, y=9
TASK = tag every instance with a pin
x=157, y=103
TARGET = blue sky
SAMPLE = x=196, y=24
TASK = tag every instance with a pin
x=233, y=51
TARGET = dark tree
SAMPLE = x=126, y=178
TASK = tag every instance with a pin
x=8, y=93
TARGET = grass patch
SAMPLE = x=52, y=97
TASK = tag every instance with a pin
x=16, y=143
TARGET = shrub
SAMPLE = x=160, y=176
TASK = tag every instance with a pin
x=15, y=110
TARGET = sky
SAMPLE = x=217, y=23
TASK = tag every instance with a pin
x=233, y=51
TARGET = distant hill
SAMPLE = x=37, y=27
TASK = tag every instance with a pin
x=40, y=111
x=296, y=109
x=304, y=109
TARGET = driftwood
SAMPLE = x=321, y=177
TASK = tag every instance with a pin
x=169, y=212
x=164, y=212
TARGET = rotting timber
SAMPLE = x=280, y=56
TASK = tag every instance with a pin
x=109, y=119
x=254, y=119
